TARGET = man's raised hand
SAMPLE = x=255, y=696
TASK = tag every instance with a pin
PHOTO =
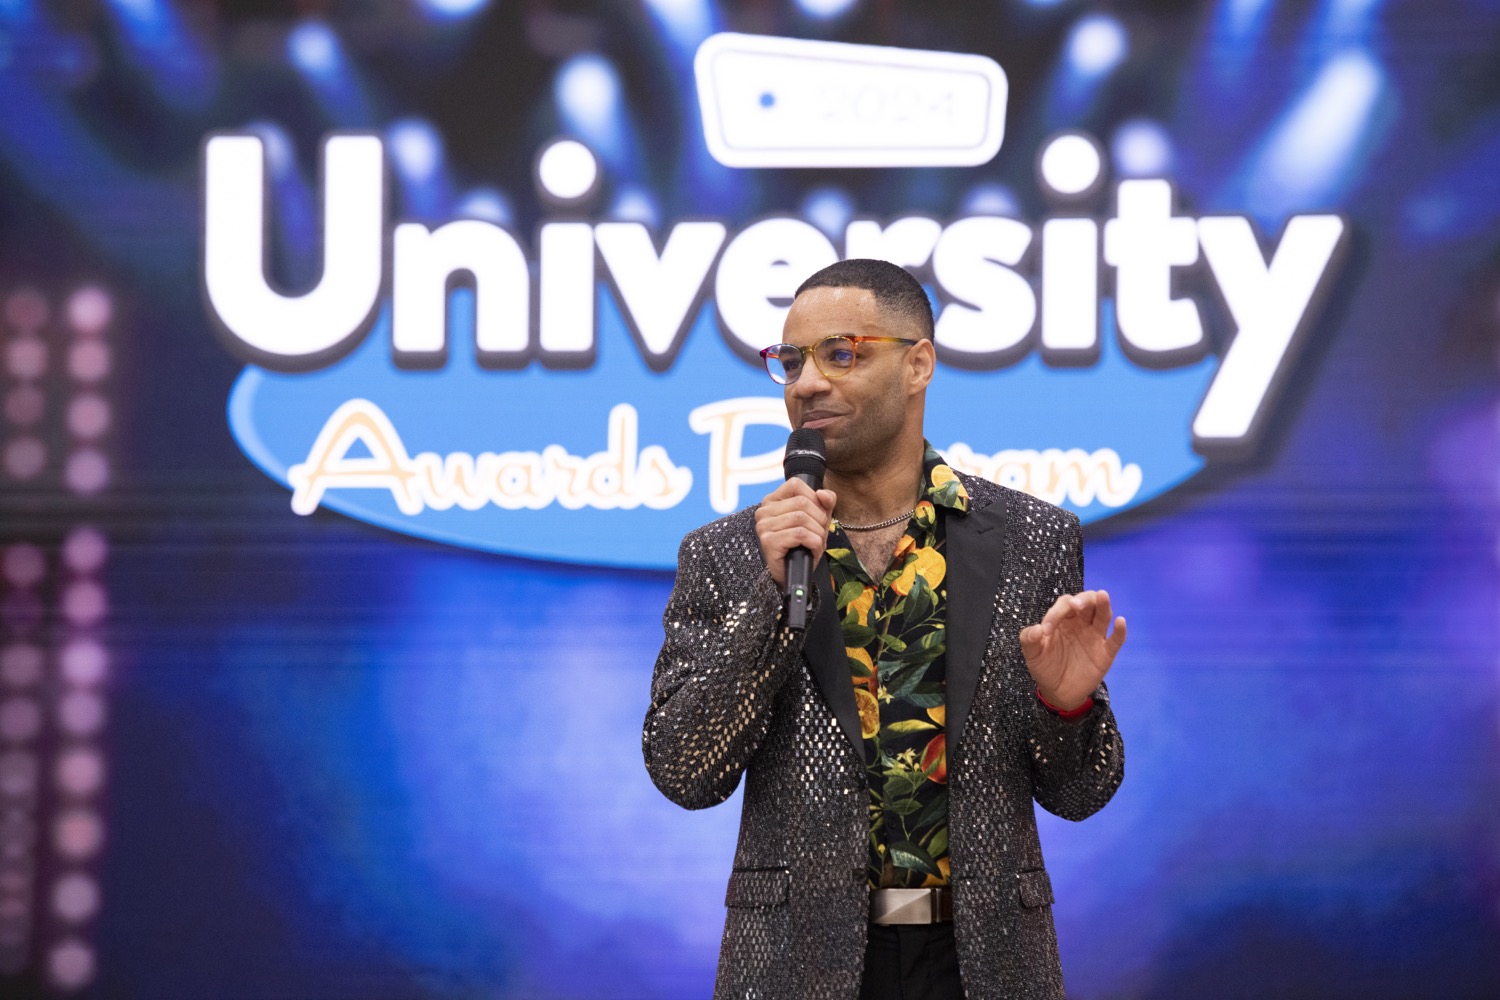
x=790, y=516
x=1071, y=649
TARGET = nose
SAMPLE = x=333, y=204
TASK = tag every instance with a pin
x=810, y=382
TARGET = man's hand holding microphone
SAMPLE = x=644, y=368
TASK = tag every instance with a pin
x=792, y=522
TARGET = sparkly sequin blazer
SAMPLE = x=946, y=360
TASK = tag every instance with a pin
x=736, y=694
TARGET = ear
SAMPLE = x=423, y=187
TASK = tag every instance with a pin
x=921, y=360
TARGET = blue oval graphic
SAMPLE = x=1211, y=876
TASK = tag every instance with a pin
x=612, y=464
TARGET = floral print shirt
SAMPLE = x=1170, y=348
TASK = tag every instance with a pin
x=894, y=638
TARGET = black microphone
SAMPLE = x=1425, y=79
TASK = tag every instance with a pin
x=806, y=461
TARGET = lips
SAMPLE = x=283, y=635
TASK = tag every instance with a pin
x=818, y=418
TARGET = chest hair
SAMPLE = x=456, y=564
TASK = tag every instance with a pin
x=875, y=548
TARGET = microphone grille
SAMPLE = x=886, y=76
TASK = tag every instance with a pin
x=804, y=453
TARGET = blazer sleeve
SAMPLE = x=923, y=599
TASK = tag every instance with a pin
x=725, y=655
x=1076, y=764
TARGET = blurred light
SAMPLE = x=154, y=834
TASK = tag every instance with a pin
x=71, y=964
x=1141, y=148
x=1071, y=164
x=81, y=713
x=1231, y=45
x=317, y=51
x=25, y=457
x=83, y=602
x=454, y=8
x=17, y=12
x=83, y=661
x=84, y=550
x=80, y=772
x=567, y=170
x=88, y=416
x=688, y=22
x=75, y=897
x=27, y=310
x=1309, y=153
x=1239, y=16
x=24, y=405
x=143, y=13
x=20, y=664
x=830, y=209
x=87, y=471
x=1348, y=20
x=88, y=361
x=20, y=719
x=416, y=149
x=78, y=833
x=487, y=204
x=587, y=91
x=26, y=357
x=23, y=565
x=276, y=145
x=990, y=199
x=314, y=48
x=823, y=9
x=1097, y=45
x=172, y=59
x=89, y=310
x=633, y=204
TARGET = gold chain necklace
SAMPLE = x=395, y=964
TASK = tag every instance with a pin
x=883, y=524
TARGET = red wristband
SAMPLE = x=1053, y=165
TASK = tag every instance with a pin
x=1088, y=703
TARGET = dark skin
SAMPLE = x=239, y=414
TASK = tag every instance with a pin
x=871, y=421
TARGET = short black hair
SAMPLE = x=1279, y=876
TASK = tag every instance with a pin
x=893, y=287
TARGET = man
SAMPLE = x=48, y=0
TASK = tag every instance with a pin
x=951, y=672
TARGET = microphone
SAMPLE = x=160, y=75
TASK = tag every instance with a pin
x=804, y=460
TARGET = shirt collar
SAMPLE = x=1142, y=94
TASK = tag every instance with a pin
x=941, y=484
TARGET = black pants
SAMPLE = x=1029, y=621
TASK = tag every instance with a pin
x=911, y=962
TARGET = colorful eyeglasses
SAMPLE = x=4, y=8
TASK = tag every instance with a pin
x=834, y=356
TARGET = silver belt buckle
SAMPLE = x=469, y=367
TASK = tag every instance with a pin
x=911, y=906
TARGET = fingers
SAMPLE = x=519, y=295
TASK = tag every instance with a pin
x=793, y=513
x=1091, y=608
x=792, y=516
x=1103, y=615
x=1064, y=607
x=791, y=520
x=794, y=494
x=793, y=528
x=1118, y=639
x=792, y=488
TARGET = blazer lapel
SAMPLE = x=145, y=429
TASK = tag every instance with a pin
x=976, y=554
x=824, y=649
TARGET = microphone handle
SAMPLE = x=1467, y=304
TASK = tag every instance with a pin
x=799, y=574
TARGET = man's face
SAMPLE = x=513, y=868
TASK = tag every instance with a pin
x=860, y=413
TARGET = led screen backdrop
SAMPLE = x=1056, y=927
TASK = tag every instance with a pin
x=364, y=363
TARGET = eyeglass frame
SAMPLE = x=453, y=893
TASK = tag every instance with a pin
x=808, y=352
